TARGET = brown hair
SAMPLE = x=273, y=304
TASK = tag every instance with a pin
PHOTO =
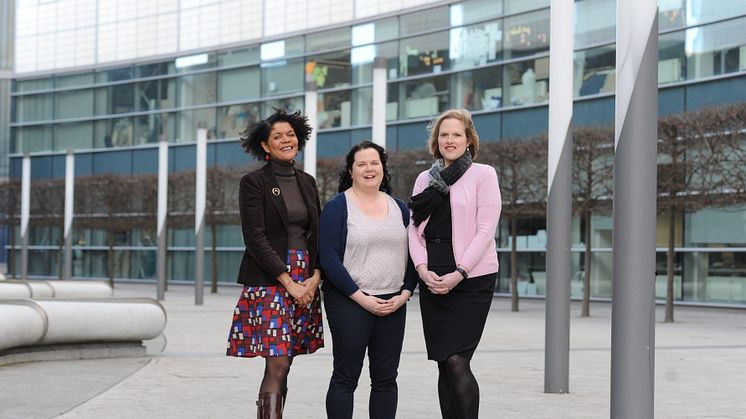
x=471, y=133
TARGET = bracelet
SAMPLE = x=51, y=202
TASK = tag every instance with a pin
x=462, y=272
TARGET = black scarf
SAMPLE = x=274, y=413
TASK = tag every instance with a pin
x=441, y=179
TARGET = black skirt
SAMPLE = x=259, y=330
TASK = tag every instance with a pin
x=454, y=322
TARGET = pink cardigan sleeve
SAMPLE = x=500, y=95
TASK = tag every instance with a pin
x=417, y=249
x=489, y=206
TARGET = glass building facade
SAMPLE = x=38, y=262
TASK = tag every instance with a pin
x=488, y=56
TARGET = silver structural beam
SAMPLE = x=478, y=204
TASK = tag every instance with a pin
x=69, y=208
x=633, y=242
x=25, y=212
x=161, y=256
x=379, y=101
x=200, y=200
x=309, y=152
x=559, y=200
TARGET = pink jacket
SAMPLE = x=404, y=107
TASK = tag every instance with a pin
x=475, y=212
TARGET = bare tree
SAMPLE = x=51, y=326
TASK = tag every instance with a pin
x=222, y=208
x=327, y=177
x=48, y=206
x=521, y=168
x=10, y=210
x=592, y=176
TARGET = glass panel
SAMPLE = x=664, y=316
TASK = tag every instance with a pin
x=232, y=120
x=151, y=70
x=35, y=84
x=424, y=54
x=291, y=104
x=330, y=70
x=34, y=108
x=475, y=11
x=73, y=104
x=156, y=94
x=335, y=109
x=116, y=74
x=90, y=263
x=238, y=84
x=74, y=136
x=595, y=22
x=670, y=14
x=387, y=29
x=339, y=38
x=476, y=45
x=392, y=102
x=120, y=133
x=594, y=71
x=201, y=62
x=190, y=121
x=529, y=82
x=362, y=106
x=716, y=49
x=122, y=98
x=424, y=21
x=101, y=106
x=198, y=89
x=707, y=11
x=75, y=80
x=152, y=128
x=143, y=264
x=33, y=138
x=527, y=34
x=517, y=6
x=477, y=89
x=281, y=77
x=241, y=56
x=424, y=97
x=671, y=58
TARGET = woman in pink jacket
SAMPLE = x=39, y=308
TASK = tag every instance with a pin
x=455, y=208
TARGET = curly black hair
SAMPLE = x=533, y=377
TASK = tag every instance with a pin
x=345, y=178
x=255, y=134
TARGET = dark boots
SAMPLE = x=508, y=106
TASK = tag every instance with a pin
x=269, y=406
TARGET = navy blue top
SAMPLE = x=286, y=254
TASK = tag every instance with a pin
x=332, y=242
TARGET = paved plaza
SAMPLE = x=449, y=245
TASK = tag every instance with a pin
x=700, y=369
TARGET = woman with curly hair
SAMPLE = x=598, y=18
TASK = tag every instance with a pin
x=278, y=314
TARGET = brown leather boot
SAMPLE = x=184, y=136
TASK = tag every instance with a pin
x=269, y=406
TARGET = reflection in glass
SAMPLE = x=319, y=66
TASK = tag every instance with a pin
x=238, y=84
x=476, y=45
x=527, y=34
x=330, y=70
x=424, y=97
x=671, y=57
x=238, y=57
x=33, y=138
x=529, y=82
x=191, y=121
x=424, y=21
x=73, y=80
x=156, y=94
x=338, y=38
x=671, y=14
x=78, y=135
x=198, y=89
x=152, y=128
x=73, y=104
x=475, y=10
x=334, y=109
x=122, y=97
x=362, y=106
x=595, y=22
x=594, y=71
x=477, y=89
x=34, y=108
x=232, y=120
x=34, y=84
x=290, y=104
x=424, y=54
x=281, y=77
x=715, y=49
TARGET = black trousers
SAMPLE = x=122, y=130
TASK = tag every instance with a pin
x=353, y=331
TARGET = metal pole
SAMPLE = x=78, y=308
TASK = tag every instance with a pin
x=25, y=212
x=69, y=209
x=633, y=280
x=162, y=254
x=379, y=101
x=559, y=200
x=309, y=153
x=199, y=217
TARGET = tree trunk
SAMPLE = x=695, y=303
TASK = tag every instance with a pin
x=110, y=256
x=586, y=309
x=670, y=263
x=513, y=264
x=214, y=258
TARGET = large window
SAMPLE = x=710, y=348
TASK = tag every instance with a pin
x=34, y=108
x=330, y=70
x=281, y=77
x=715, y=49
x=671, y=58
x=476, y=45
x=594, y=71
x=527, y=34
x=477, y=89
x=191, y=121
x=423, y=97
x=335, y=109
x=75, y=136
x=32, y=138
x=424, y=54
x=73, y=104
x=198, y=89
x=595, y=22
x=234, y=119
x=156, y=94
x=239, y=84
x=529, y=82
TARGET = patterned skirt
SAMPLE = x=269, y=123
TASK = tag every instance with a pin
x=267, y=321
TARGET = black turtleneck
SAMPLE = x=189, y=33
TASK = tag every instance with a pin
x=297, y=212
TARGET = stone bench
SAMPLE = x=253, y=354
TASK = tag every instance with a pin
x=44, y=329
x=11, y=289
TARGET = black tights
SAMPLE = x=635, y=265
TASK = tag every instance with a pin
x=276, y=371
x=458, y=390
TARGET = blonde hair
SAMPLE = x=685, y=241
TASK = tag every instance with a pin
x=461, y=115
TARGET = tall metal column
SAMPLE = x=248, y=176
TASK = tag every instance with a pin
x=200, y=201
x=25, y=212
x=379, y=101
x=69, y=208
x=559, y=200
x=7, y=52
x=309, y=152
x=162, y=254
x=633, y=280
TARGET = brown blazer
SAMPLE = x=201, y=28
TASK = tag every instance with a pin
x=264, y=223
